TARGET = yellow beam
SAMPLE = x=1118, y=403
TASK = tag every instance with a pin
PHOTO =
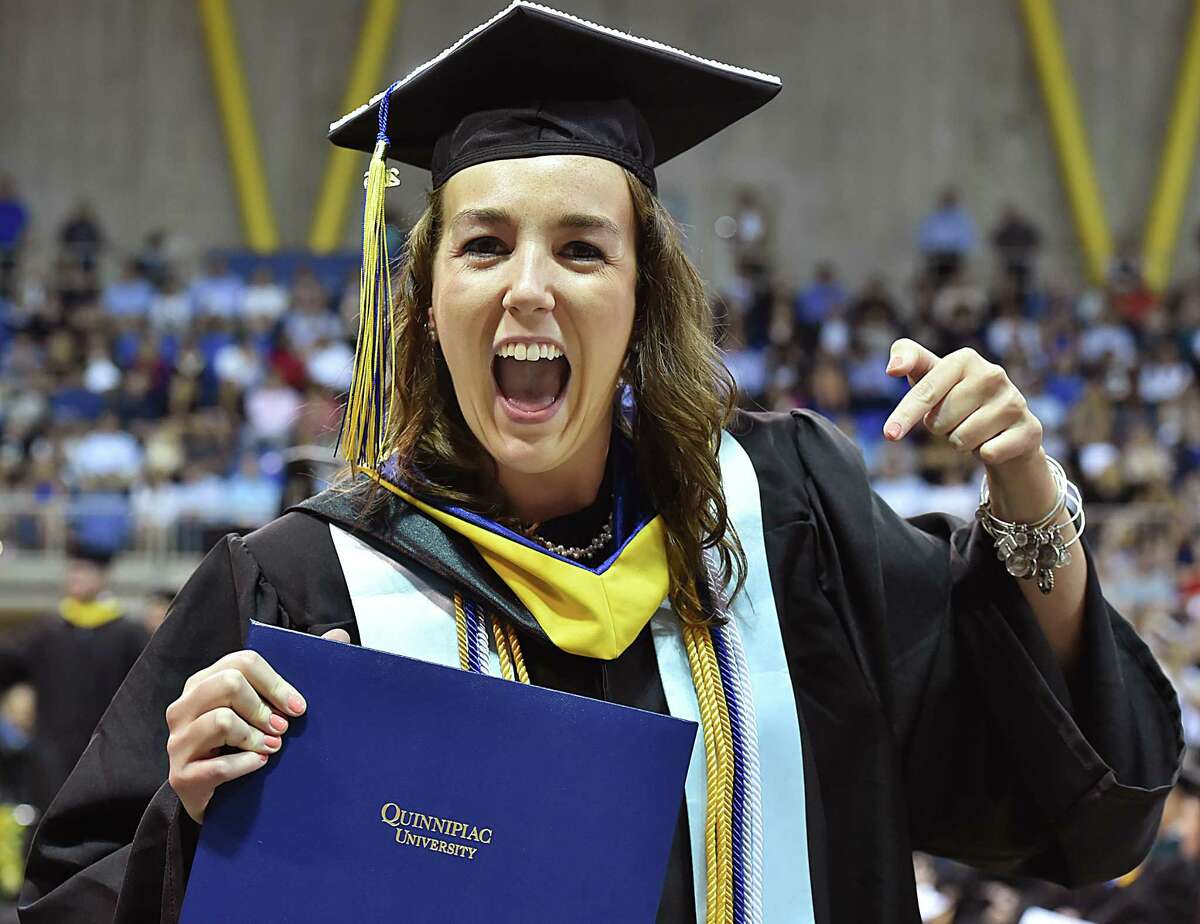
x=1175, y=172
x=344, y=168
x=241, y=137
x=1069, y=137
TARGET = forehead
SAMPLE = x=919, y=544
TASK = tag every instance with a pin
x=541, y=187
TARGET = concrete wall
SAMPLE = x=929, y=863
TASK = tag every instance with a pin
x=884, y=102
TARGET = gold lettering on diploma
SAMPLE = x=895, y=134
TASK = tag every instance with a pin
x=408, y=825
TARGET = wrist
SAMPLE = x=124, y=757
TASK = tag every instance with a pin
x=1022, y=489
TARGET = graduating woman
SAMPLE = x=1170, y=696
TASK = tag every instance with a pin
x=550, y=485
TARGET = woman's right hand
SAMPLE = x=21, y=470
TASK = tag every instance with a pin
x=239, y=701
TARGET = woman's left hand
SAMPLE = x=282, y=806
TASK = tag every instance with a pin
x=965, y=399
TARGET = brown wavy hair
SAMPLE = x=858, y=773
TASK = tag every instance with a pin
x=683, y=396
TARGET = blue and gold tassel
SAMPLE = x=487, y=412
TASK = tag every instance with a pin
x=361, y=439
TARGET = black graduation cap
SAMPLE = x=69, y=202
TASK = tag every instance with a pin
x=533, y=80
x=529, y=81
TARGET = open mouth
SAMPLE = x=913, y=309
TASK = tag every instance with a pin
x=531, y=378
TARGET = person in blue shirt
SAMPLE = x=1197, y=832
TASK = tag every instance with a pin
x=946, y=237
x=13, y=221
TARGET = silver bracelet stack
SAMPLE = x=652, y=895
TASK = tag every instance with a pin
x=1034, y=549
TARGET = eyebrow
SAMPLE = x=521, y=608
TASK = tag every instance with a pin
x=579, y=220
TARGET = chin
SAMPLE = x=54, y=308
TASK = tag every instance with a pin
x=525, y=452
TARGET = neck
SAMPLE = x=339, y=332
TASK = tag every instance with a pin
x=536, y=497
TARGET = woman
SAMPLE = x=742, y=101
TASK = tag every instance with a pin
x=560, y=493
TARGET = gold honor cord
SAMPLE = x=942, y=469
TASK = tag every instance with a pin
x=1179, y=148
x=718, y=754
x=514, y=646
x=241, y=136
x=502, y=652
x=460, y=624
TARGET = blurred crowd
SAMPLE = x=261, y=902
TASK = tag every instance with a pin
x=155, y=398
x=1110, y=372
x=158, y=403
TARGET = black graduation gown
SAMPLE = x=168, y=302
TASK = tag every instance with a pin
x=933, y=714
x=74, y=672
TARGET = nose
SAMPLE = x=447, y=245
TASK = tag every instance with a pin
x=529, y=288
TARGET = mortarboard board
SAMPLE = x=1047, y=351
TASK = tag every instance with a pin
x=528, y=82
x=532, y=80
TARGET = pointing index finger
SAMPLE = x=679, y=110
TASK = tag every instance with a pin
x=931, y=389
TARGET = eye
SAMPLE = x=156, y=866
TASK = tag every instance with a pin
x=483, y=246
x=580, y=250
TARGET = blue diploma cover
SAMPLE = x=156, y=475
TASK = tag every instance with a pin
x=414, y=792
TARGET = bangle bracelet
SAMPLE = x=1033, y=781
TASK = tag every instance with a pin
x=1034, y=550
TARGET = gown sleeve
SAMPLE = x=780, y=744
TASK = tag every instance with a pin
x=1006, y=767
x=115, y=844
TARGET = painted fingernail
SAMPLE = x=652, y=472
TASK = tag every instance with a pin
x=892, y=430
x=271, y=742
x=278, y=722
x=296, y=703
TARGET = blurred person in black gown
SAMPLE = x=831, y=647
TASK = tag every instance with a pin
x=74, y=659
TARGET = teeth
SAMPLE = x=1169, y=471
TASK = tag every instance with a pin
x=530, y=352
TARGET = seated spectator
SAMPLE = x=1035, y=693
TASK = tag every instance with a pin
x=828, y=387
x=1166, y=376
x=894, y=477
x=252, y=497
x=311, y=320
x=217, y=292
x=959, y=312
x=1016, y=241
x=1010, y=331
x=171, y=308
x=137, y=400
x=237, y=364
x=164, y=455
x=1132, y=300
x=21, y=358
x=71, y=401
x=156, y=259
x=131, y=295
x=108, y=451
x=1108, y=337
x=271, y=410
x=331, y=364
x=14, y=218
x=816, y=301
x=946, y=237
x=81, y=238
x=264, y=299
x=319, y=418
x=1146, y=464
x=100, y=373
